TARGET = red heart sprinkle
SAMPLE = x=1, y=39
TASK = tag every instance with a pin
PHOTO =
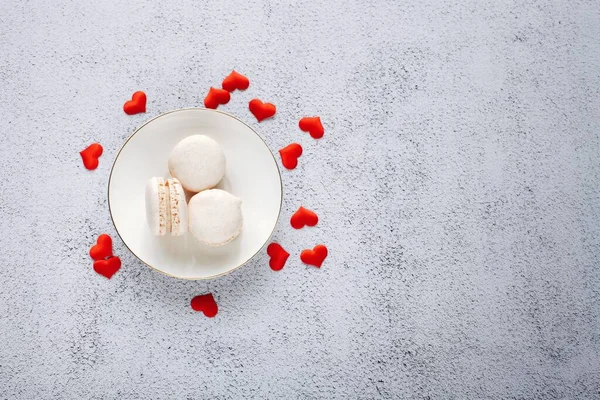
x=261, y=110
x=303, y=217
x=108, y=267
x=315, y=256
x=313, y=126
x=234, y=81
x=278, y=256
x=215, y=97
x=90, y=155
x=290, y=154
x=205, y=303
x=103, y=248
x=136, y=105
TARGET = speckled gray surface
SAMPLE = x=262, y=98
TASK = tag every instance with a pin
x=458, y=186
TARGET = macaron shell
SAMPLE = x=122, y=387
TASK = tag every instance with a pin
x=198, y=162
x=178, y=208
x=215, y=217
x=156, y=206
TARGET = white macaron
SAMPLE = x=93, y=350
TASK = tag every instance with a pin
x=198, y=162
x=215, y=217
x=166, y=209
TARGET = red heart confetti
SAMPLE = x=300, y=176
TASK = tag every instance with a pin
x=290, y=154
x=261, y=110
x=216, y=97
x=205, y=303
x=278, y=256
x=303, y=217
x=103, y=248
x=107, y=267
x=313, y=126
x=315, y=256
x=136, y=105
x=90, y=155
x=234, y=81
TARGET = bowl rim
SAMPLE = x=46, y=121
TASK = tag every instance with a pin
x=194, y=109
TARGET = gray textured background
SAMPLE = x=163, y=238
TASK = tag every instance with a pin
x=457, y=185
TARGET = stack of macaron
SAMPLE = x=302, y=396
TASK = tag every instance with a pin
x=213, y=216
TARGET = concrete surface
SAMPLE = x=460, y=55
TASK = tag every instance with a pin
x=458, y=186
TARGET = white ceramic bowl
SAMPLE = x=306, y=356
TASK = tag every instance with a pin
x=252, y=174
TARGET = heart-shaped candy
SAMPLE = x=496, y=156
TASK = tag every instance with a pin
x=102, y=249
x=216, y=97
x=136, y=105
x=261, y=110
x=234, y=81
x=278, y=256
x=90, y=155
x=303, y=217
x=315, y=256
x=290, y=154
x=313, y=126
x=107, y=267
x=205, y=303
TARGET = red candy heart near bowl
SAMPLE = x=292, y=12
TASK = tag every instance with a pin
x=216, y=97
x=315, y=256
x=313, y=126
x=261, y=110
x=235, y=81
x=290, y=154
x=278, y=256
x=304, y=217
x=102, y=249
x=90, y=155
x=206, y=304
x=107, y=267
x=136, y=105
